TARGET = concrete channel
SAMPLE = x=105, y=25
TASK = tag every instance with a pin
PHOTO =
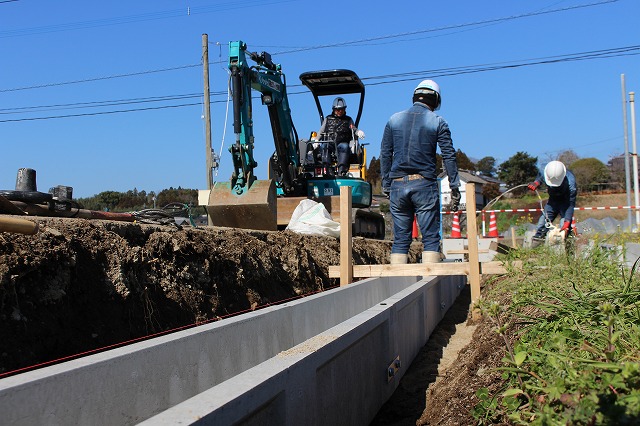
x=329, y=359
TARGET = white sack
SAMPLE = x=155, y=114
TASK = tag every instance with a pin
x=311, y=217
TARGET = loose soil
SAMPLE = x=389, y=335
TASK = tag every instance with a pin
x=81, y=285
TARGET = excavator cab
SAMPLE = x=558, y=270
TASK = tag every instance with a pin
x=335, y=83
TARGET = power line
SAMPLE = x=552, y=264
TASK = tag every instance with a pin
x=166, y=14
x=387, y=79
x=96, y=104
x=86, y=80
x=302, y=49
x=443, y=28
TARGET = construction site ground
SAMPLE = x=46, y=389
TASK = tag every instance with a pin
x=79, y=286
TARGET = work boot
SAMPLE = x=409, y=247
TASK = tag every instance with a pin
x=431, y=257
x=536, y=242
x=398, y=258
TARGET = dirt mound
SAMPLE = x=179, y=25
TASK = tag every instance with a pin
x=78, y=284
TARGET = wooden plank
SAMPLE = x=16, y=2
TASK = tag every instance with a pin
x=405, y=270
x=465, y=251
x=346, y=243
x=472, y=236
x=421, y=269
x=18, y=225
x=499, y=247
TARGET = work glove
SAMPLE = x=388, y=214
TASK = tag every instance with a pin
x=565, y=225
x=455, y=199
x=534, y=185
x=316, y=145
x=386, y=192
x=360, y=134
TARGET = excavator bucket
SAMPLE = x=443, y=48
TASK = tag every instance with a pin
x=255, y=209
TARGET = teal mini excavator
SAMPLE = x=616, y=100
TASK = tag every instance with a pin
x=246, y=202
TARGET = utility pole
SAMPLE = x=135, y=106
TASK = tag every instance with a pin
x=207, y=110
x=635, y=155
x=627, y=172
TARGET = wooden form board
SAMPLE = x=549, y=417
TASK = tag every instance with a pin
x=346, y=271
x=421, y=269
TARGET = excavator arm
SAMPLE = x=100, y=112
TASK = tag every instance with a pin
x=268, y=79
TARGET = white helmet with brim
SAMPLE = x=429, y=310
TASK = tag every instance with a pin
x=554, y=173
x=428, y=87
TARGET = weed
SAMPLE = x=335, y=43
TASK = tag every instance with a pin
x=572, y=341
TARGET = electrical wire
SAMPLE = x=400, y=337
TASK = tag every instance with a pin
x=166, y=215
x=446, y=27
x=394, y=78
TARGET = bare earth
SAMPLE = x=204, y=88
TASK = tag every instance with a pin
x=81, y=285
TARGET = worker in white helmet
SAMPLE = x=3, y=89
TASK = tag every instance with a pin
x=409, y=175
x=563, y=191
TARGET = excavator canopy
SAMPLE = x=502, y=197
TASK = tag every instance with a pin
x=334, y=82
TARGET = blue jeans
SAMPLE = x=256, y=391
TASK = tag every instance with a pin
x=551, y=210
x=344, y=153
x=421, y=198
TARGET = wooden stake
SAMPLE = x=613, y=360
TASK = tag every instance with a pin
x=346, y=245
x=472, y=236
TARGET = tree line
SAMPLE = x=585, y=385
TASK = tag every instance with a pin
x=134, y=200
x=521, y=168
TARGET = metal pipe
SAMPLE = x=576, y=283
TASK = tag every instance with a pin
x=635, y=155
x=627, y=172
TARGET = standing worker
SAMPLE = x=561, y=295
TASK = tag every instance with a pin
x=409, y=175
x=563, y=191
x=338, y=127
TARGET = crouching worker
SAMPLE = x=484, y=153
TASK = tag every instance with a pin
x=409, y=176
x=563, y=191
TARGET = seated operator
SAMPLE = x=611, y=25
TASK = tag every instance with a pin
x=338, y=126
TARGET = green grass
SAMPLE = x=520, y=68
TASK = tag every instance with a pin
x=571, y=328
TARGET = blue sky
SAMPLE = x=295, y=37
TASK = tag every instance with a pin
x=108, y=96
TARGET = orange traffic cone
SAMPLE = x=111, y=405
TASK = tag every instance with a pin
x=455, y=227
x=414, y=233
x=493, y=226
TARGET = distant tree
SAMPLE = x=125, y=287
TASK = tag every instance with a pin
x=518, y=169
x=463, y=161
x=373, y=172
x=617, y=172
x=109, y=199
x=179, y=195
x=568, y=157
x=591, y=174
x=490, y=191
x=486, y=165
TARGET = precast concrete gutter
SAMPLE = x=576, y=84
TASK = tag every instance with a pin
x=332, y=358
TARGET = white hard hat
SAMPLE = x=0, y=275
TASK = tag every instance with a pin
x=554, y=173
x=427, y=86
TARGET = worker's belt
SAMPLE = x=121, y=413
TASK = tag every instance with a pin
x=409, y=177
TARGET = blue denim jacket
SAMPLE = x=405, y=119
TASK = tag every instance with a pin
x=409, y=146
x=565, y=194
